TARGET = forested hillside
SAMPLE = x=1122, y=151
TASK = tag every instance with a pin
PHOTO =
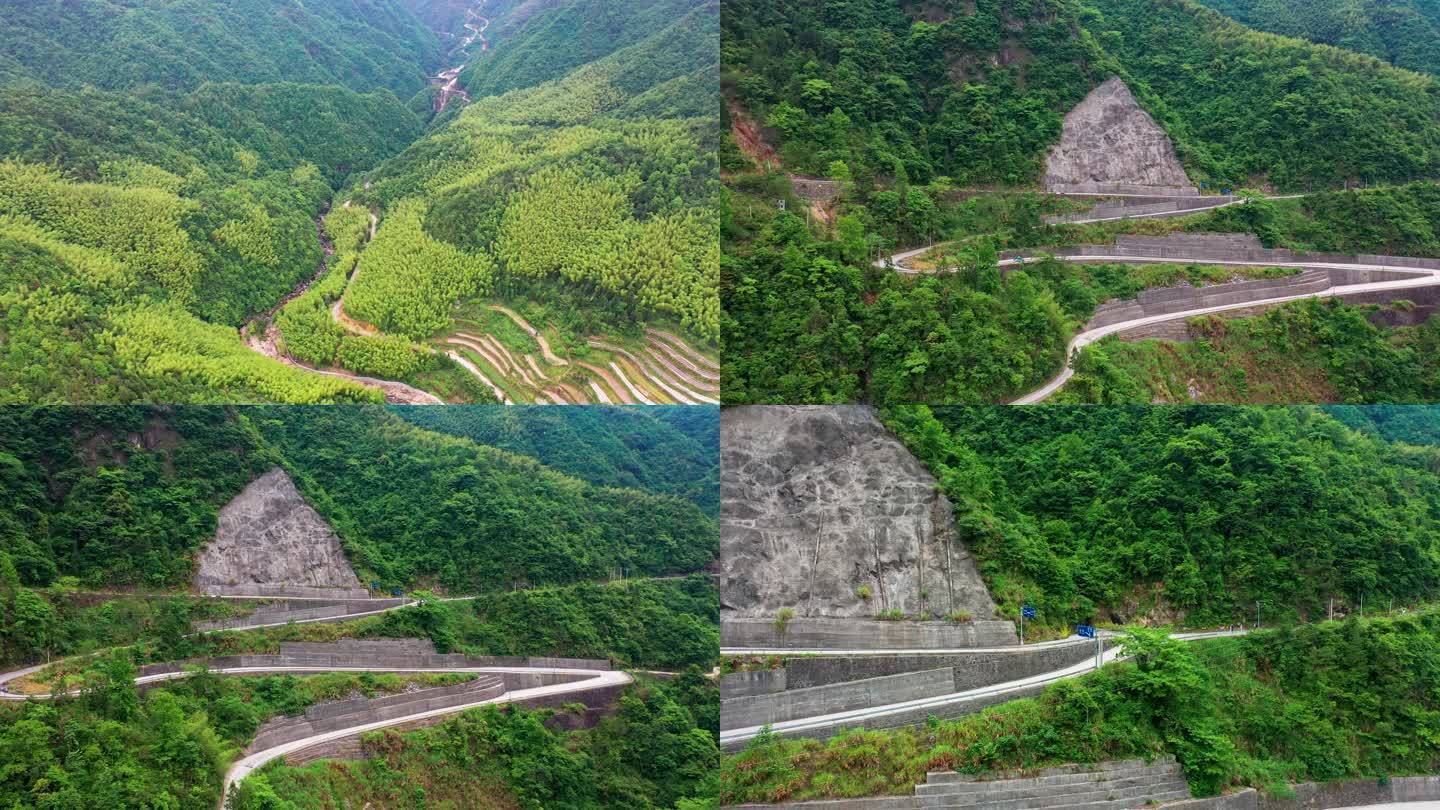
x=665, y=449
x=1405, y=33
x=158, y=198
x=524, y=184
x=363, y=45
x=544, y=40
x=126, y=496
x=1196, y=514
x=163, y=198
x=544, y=233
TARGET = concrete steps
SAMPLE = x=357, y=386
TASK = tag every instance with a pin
x=1104, y=786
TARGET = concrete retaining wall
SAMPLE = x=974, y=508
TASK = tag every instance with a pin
x=1200, y=248
x=757, y=710
x=915, y=717
x=971, y=670
x=283, y=591
x=1143, y=208
x=601, y=701
x=1121, y=188
x=756, y=682
x=1309, y=796
x=866, y=634
x=1321, y=795
x=399, y=654
x=361, y=711
x=299, y=611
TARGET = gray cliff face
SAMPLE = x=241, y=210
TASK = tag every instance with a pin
x=268, y=535
x=1109, y=142
x=818, y=502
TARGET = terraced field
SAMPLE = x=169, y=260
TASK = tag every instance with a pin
x=520, y=363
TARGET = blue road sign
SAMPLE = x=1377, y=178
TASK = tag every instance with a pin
x=1028, y=612
x=1085, y=630
x=1226, y=190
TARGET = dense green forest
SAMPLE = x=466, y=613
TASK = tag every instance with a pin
x=562, y=35
x=666, y=449
x=1198, y=514
x=867, y=91
x=657, y=751
x=363, y=45
x=1310, y=703
x=976, y=92
x=1405, y=33
x=126, y=496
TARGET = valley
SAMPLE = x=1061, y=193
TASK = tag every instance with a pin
x=235, y=168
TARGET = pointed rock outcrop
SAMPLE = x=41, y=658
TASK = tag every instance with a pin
x=1110, y=145
x=823, y=510
x=270, y=542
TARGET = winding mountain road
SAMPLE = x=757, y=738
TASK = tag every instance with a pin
x=579, y=680
x=589, y=679
x=1416, y=278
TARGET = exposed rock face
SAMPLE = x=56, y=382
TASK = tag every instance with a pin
x=1109, y=144
x=269, y=536
x=818, y=502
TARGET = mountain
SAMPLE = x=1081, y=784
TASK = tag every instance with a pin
x=127, y=496
x=547, y=234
